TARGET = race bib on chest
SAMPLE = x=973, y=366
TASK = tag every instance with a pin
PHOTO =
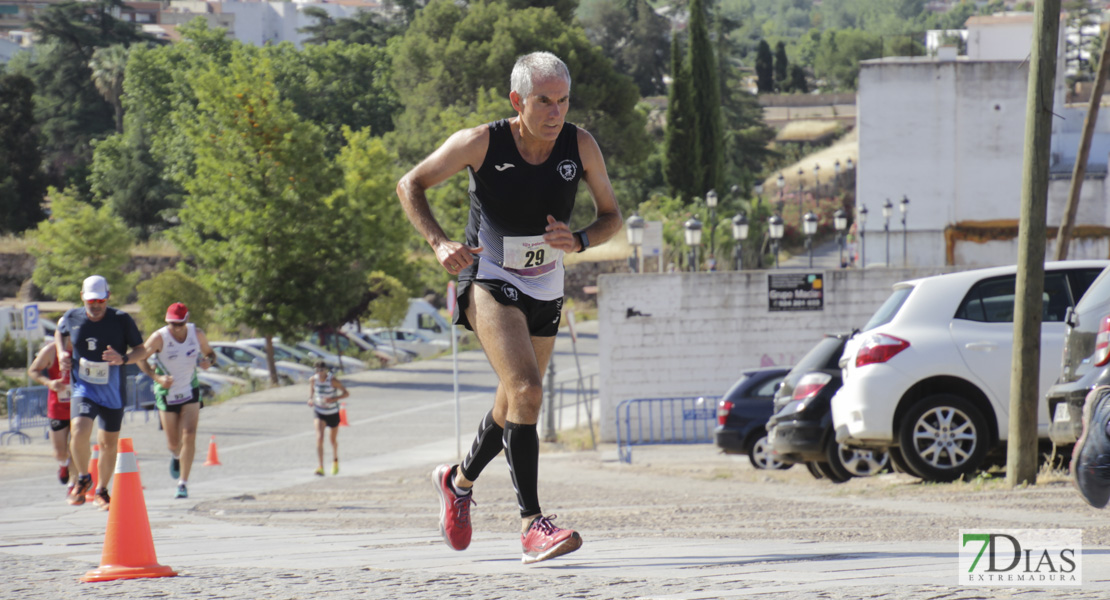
x=94, y=372
x=529, y=256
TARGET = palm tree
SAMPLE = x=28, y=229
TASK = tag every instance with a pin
x=108, y=65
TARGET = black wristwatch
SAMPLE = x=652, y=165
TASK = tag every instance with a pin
x=583, y=239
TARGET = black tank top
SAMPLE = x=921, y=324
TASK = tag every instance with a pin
x=510, y=197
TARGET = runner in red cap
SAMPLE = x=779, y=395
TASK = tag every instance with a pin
x=179, y=348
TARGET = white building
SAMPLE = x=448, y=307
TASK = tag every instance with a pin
x=948, y=133
x=261, y=23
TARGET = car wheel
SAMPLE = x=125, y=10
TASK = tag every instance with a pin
x=943, y=437
x=832, y=468
x=762, y=457
x=813, y=470
x=859, y=462
x=899, y=461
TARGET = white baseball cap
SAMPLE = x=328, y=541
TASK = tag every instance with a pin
x=94, y=288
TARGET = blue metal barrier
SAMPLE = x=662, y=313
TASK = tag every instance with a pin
x=26, y=409
x=684, y=420
x=140, y=395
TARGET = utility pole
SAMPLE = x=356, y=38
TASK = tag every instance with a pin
x=1021, y=451
x=1067, y=222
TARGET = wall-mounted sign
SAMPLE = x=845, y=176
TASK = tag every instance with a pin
x=795, y=291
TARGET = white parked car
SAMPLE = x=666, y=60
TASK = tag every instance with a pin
x=286, y=352
x=247, y=356
x=407, y=339
x=928, y=377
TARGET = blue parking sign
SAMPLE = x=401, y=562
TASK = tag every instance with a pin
x=30, y=316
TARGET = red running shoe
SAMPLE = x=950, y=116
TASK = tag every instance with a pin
x=544, y=540
x=454, y=510
x=63, y=474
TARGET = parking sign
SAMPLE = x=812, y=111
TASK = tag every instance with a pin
x=30, y=316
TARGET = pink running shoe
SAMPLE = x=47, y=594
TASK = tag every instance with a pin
x=543, y=540
x=454, y=510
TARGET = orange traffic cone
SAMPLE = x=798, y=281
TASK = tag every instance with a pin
x=343, y=415
x=213, y=457
x=94, y=470
x=128, y=545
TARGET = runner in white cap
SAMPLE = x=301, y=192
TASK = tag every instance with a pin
x=89, y=342
x=179, y=348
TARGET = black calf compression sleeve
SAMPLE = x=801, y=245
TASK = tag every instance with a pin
x=487, y=445
x=522, y=449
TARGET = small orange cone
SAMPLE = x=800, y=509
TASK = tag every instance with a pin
x=94, y=470
x=213, y=456
x=128, y=545
x=343, y=415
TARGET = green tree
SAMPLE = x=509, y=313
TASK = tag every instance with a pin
x=268, y=237
x=125, y=176
x=391, y=303
x=159, y=292
x=108, y=66
x=365, y=27
x=631, y=35
x=80, y=240
x=69, y=109
x=21, y=182
x=707, y=99
x=797, y=83
x=782, y=65
x=764, y=68
x=682, y=164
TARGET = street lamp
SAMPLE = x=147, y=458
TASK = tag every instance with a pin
x=739, y=233
x=816, y=183
x=888, y=208
x=809, y=226
x=904, y=207
x=840, y=222
x=693, y=240
x=636, y=239
x=781, y=182
x=711, y=202
x=861, y=220
x=775, y=228
x=801, y=192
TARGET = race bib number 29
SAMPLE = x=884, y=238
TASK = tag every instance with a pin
x=529, y=256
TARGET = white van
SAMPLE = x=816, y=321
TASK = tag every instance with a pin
x=425, y=318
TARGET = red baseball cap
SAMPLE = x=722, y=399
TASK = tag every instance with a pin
x=176, y=313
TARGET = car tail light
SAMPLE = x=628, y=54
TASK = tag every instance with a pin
x=810, y=385
x=723, y=408
x=879, y=348
x=1102, y=343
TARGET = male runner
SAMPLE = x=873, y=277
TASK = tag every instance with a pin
x=89, y=341
x=524, y=174
x=180, y=347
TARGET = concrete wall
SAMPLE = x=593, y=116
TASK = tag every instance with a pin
x=695, y=332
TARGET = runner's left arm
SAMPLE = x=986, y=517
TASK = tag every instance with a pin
x=208, y=353
x=608, y=221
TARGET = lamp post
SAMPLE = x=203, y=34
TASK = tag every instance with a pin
x=801, y=194
x=636, y=239
x=781, y=182
x=775, y=228
x=739, y=233
x=840, y=222
x=809, y=226
x=816, y=184
x=711, y=202
x=693, y=240
x=888, y=208
x=862, y=221
x=836, y=176
x=904, y=208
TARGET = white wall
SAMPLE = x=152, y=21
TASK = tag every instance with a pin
x=699, y=330
x=261, y=23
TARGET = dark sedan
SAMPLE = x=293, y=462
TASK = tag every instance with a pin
x=742, y=415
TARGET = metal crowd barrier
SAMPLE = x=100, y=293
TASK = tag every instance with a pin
x=26, y=410
x=682, y=420
x=140, y=395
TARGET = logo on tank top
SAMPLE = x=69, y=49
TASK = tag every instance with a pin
x=510, y=292
x=568, y=169
x=503, y=167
